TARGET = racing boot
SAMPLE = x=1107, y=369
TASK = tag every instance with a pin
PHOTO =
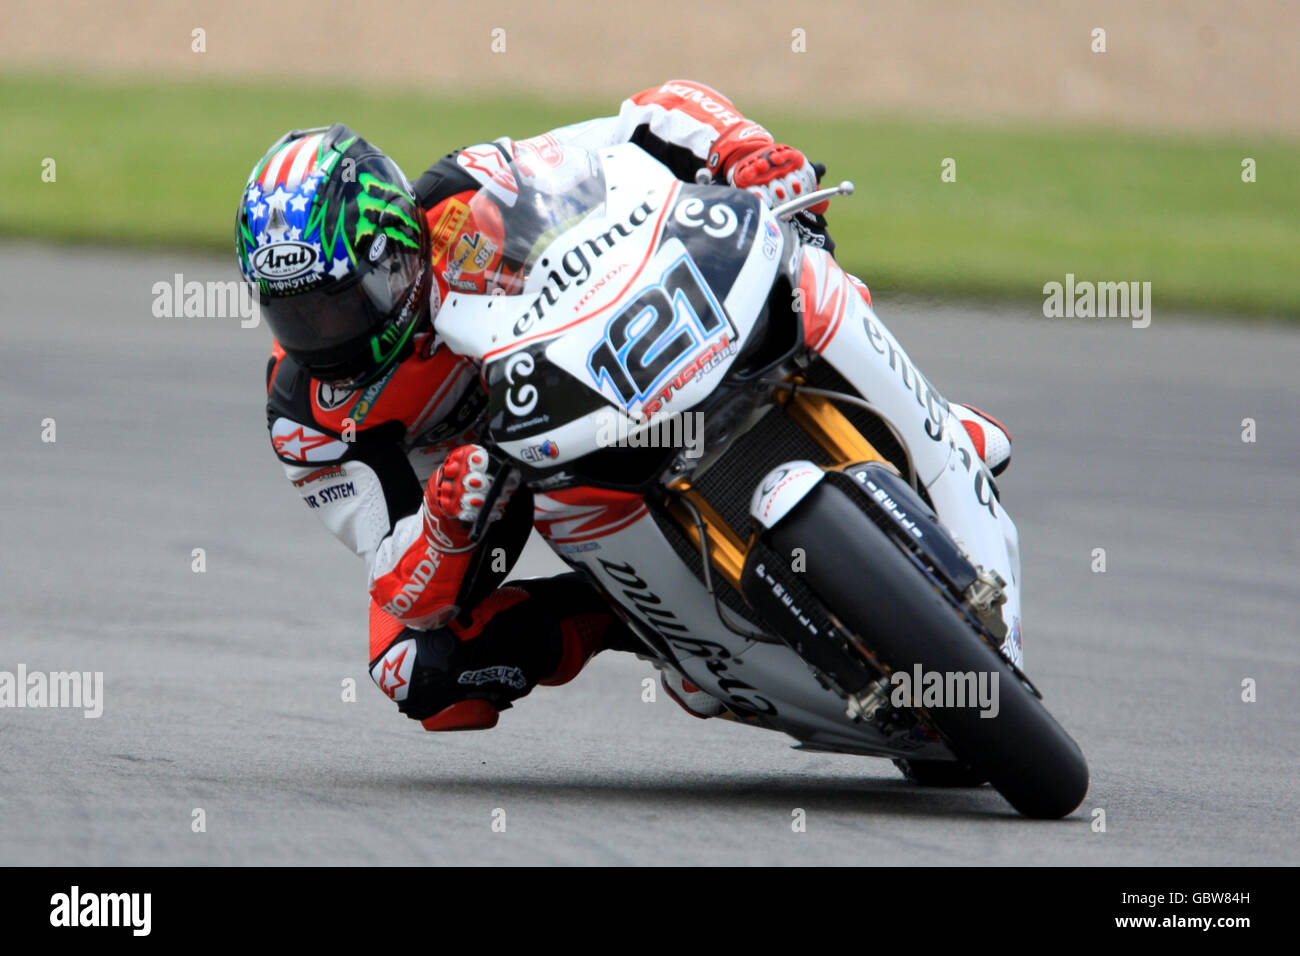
x=690, y=698
x=462, y=675
x=990, y=437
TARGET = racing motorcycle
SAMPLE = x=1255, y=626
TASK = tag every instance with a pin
x=823, y=536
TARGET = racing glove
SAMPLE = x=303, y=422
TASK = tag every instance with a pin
x=746, y=157
x=457, y=494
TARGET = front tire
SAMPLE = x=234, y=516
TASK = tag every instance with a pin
x=941, y=773
x=880, y=595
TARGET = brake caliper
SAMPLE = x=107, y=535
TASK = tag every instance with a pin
x=984, y=598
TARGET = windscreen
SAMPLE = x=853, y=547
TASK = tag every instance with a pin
x=526, y=204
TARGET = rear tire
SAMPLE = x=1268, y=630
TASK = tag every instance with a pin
x=875, y=590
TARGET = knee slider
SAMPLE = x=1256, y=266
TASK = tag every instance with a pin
x=416, y=672
x=426, y=672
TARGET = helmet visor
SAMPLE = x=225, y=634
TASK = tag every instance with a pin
x=333, y=328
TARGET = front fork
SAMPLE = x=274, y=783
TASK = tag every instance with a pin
x=840, y=324
x=845, y=330
x=826, y=425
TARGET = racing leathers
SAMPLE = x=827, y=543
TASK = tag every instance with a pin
x=449, y=643
x=394, y=472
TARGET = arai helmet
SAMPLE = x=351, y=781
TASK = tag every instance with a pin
x=330, y=234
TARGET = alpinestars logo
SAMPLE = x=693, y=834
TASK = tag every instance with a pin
x=500, y=674
x=298, y=443
x=393, y=671
x=487, y=164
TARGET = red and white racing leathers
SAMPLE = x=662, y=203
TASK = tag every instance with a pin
x=361, y=459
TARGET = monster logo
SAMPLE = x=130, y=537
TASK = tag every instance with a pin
x=380, y=201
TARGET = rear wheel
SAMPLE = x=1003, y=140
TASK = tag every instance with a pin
x=883, y=598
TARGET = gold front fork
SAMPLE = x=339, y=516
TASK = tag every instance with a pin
x=828, y=427
x=824, y=423
x=726, y=551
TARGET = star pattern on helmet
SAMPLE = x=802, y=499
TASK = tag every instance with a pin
x=281, y=211
x=279, y=198
x=276, y=226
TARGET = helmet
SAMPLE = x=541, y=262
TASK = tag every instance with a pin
x=329, y=232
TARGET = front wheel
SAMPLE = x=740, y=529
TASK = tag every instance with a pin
x=941, y=773
x=901, y=617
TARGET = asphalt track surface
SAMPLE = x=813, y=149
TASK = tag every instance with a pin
x=223, y=690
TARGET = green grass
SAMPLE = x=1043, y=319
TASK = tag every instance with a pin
x=162, y=163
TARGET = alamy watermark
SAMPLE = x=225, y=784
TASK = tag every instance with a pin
x=922, y=688
x=75, y=908
x=82, y=690
x=684, y=430
x=1102, y=300
x=231, y=299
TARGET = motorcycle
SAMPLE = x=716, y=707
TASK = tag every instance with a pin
x=725, y=439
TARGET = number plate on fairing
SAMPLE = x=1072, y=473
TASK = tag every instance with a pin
x=653, y=351
x=659, y=346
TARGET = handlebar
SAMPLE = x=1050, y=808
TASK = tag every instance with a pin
x=788, y=209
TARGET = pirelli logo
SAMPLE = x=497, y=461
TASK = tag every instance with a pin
x=448, y=227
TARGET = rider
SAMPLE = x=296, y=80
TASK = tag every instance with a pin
x=375, y=420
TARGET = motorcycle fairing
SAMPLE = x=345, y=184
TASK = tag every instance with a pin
x=644, y=302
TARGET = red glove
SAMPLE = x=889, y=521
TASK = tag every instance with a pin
x=456, y=495
x=747, y=158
